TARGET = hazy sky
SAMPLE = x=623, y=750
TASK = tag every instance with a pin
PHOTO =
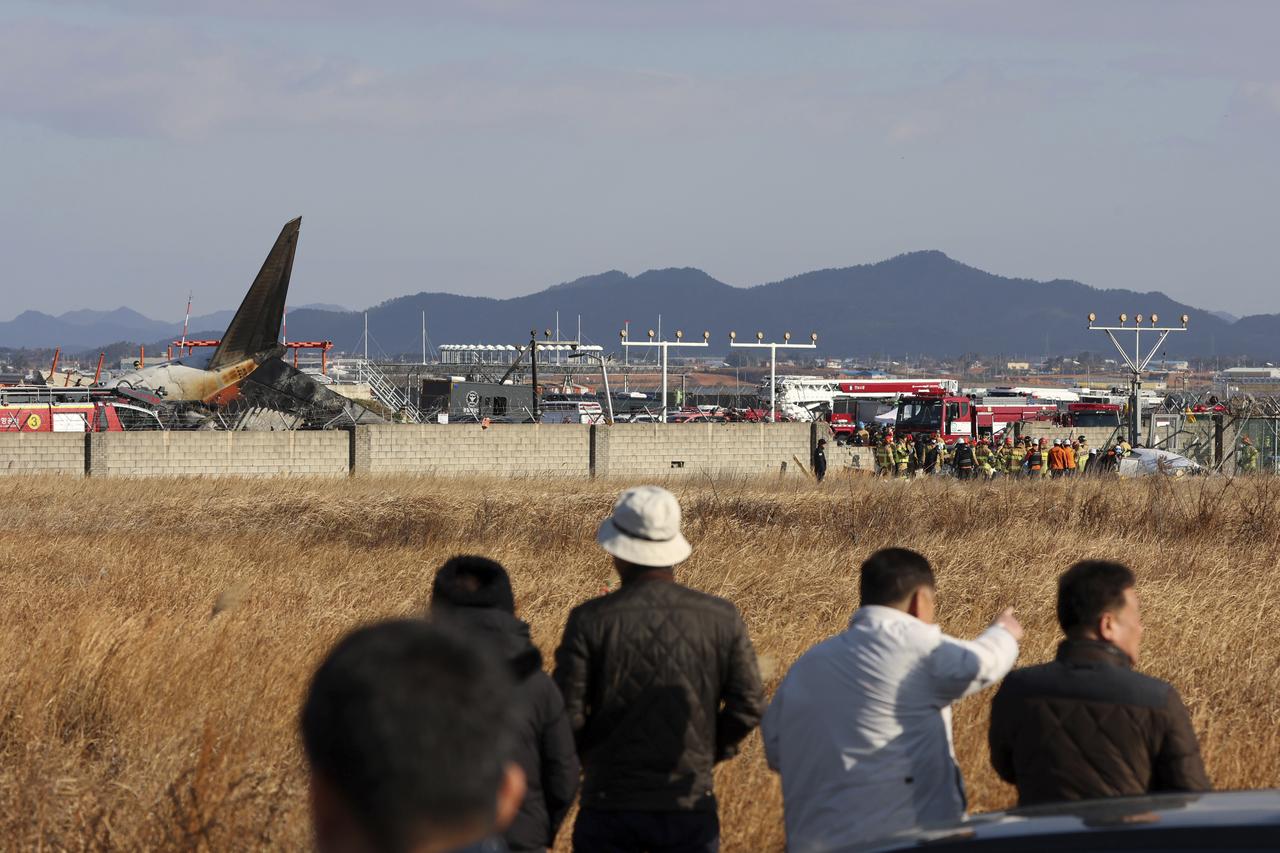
x=496, y=147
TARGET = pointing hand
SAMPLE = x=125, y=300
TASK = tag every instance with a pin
x=1010, y=623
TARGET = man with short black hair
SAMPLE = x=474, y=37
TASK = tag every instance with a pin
x=661, y=683
x=1087, y=725
x=860, y=728
x=407, y=730
x=474, y=593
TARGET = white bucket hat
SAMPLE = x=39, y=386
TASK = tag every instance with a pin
x=645, y=528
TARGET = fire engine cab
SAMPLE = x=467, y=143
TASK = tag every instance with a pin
x=863, y=400
x=957, y=417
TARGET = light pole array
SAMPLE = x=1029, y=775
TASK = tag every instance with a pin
x=664, y=346
x=1137, y=362
x=773, y=361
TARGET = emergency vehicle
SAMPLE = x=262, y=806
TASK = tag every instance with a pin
x=865, y=399
x=800, y=397
x=1091, y=415
x=571, y=409
x=41, y=408
x=963, y=417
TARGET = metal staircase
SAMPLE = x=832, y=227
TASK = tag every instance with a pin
x=385, y=392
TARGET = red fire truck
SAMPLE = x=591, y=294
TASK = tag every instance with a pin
x=962, y=417
x=41, y=408
x=1086, y=414
x=862, y=400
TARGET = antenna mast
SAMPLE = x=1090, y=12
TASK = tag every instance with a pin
x=185, y=323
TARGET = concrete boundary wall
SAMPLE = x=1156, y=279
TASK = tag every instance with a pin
x=42, y=453
x=462, y=450
x=656, y=450
x=632, y=451
x=212, y=453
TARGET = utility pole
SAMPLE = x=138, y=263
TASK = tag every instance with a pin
x=1137, y=363
x=603, y=360
x=534, y=346
x=773, y=361
x=533, y=373
x=424, y=337
x=663, y=346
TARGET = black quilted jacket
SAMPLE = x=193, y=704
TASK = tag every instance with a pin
x=660, y=682
x=1088, y=726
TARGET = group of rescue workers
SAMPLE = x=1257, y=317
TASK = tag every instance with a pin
x=907, y=455
x=910, y=455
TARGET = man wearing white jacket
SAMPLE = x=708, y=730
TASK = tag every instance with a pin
x=860, y=728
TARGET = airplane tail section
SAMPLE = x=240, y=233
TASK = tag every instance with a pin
x=256, y=326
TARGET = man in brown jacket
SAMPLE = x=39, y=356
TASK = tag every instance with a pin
x=1086, y=725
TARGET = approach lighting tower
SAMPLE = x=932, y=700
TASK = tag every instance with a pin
x=664, y=346
x=773, y=361
x=1137, y=362
x=534, y=346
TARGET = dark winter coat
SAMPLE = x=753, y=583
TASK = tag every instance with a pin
x=660, y=682
x=544, y=741
x=1088, y=726
x=819, y=461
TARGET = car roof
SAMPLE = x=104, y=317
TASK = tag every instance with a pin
x=1164, y=811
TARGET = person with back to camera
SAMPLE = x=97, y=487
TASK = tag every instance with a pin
x=661, y=683
x=1087, y=725
x=474, y=594
x=407, y=731
x=860, y=728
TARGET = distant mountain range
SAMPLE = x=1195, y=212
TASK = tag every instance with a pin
x=84, y=328
x=917, y=303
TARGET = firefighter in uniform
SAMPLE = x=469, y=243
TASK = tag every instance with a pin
x=902, y=457
x=963, y=460
x=1247, y=457
x=982, y=453
x=930, y=462
x=944, y=457
x=1038, y=460
x=1011, y=458
x=1082, y=455
x=884, y=458
x=920, y=453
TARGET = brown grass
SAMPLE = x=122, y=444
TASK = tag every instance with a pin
x=155, y=637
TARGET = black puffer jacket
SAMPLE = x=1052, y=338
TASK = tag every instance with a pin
x=1087, y=726
x=544, y=741
x=644, y=672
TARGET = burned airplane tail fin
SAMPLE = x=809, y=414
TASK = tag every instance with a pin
x=256, y=326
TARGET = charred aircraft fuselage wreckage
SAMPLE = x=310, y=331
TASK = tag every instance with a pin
x=245, y=383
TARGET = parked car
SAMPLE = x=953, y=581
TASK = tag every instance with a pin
x=1179, y=823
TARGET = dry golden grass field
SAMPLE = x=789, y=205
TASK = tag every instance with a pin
x=156, y=636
